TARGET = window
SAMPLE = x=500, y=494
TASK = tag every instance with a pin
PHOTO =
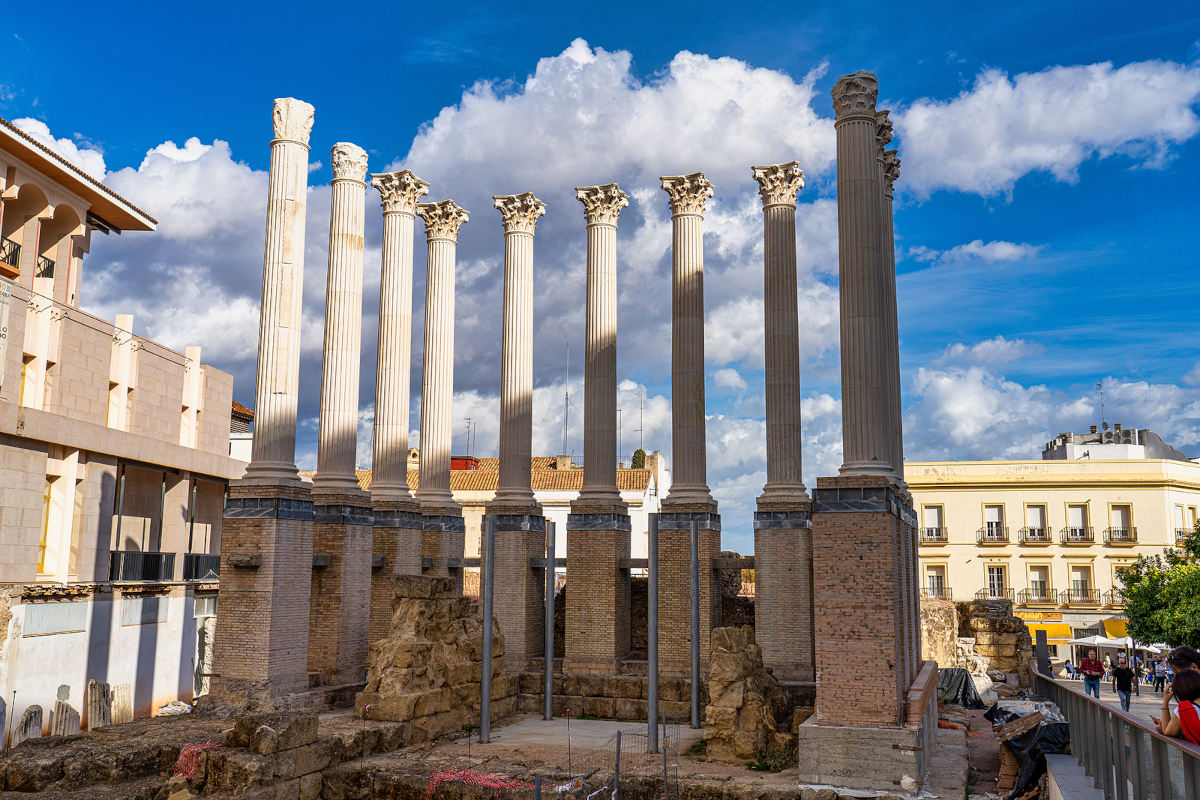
x=933, y=531
x=143, y=610
x=997, y=585
x=1035, y=524
x=42, y=619
x=993, y=523
x=935, y=583
x=1120, y=524
x=1081, y=584
x=1077, y=524
x=1039, y=582
x=206, y=606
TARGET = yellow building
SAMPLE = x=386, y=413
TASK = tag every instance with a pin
x=1051, y=534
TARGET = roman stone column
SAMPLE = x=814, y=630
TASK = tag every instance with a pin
x=267, y=536
x=520, y=526
x=689, y=499
x=396, y=537
x=339, y=610
x=783, y=520
x=443, y=530
x=598, y=525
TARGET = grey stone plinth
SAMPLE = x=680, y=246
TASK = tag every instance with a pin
x=446, y=523
x=682, y=520
x=781, y=520
x=268, y=508
x=521, y=522
x=598, y=522
x=343, y=514
x=874, y=759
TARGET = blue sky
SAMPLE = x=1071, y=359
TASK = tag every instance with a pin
x=1046, y=218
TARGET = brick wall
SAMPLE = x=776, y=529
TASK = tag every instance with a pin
x=598, y=603
x=340, y=599
x=783, y=601
x=674, y=598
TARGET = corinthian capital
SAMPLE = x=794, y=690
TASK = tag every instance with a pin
x=519, y=211
x=442, y=219
x=891, y=170
x=779, y=183
x=293, y=119
x=399, y=191
x=883, y=131
x=601, y=204
x=855, y=95
x=687, y=193
x=349, y=162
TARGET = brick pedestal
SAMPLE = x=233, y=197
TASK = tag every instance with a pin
x=261, y=647
x=395, y=550
x=783, y=591
x=518, y=589
x=674, y=588
x=443, y=539
x=339, y=607
x=597, y=593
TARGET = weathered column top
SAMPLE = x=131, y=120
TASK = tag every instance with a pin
x=883, y=131
x=293, y=120
x=854, y=96
x=778, y=184
x=601, y=204
x=399, y=191
x=891, y=170
x=349, y=162
x=519, y=211
x=442, y=219
x=687, y=193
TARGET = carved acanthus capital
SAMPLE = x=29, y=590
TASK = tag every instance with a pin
x=883, y=131
x=601, y=204
x=779, y=183
x=855, y=95
x=349, y=162
x=442, y=219
x=293, y=119
x=519, y=211
x=891, y=170
x=399, y=191
x=687, y=193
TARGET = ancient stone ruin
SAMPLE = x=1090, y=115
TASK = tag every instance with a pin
x=747, y=712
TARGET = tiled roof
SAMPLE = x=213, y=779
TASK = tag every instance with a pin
x=240, y=410
x=542, y=480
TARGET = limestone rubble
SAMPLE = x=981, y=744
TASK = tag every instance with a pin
x=745, y=702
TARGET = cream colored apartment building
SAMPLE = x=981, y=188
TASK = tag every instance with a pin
x=114, y=458
x=1051, y=534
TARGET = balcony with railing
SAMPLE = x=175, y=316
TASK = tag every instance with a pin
x=1114, y=598
x=1035, y=536
x=10, y=254
x=1038, y=596
x=994, y=594
x=1120, y=535
x=1081, y=596
x=1180, y=535
x=44, y=268
x=1072, y=535
x=934, y=535
x=201, y=566
x=134, y=565
x=937, y=593
x=992, y=534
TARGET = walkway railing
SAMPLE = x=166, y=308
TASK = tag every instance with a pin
x=134, y=565
x=1123, y=754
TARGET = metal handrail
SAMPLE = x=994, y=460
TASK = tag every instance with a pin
x=201, y=566
x=44, y=268
x=1180, y=535
x=994, y=594
x=1114, y=535
x=1072, y=534
x=1038, y=535
x=1114, y=597
x=1073, y=597
x=10, y=252
x=937, y=593
x=934, y=534
x=137, y=565
x=992, y=535
x=1123, y=754
x=1047, y=597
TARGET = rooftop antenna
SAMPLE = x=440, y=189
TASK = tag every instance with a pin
x=566, y=395
x=468, y=453
x=1100, y=389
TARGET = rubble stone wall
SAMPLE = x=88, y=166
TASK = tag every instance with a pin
x=999, y=636
x=939, y=632
x=746, y=715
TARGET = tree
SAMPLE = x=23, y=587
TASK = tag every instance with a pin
x=639, y=459
x=1162, y=594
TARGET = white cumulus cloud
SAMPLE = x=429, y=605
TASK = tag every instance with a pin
x=88, y=158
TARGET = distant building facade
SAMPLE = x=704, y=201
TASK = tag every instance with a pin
x=1051, y=534
x=113, y=461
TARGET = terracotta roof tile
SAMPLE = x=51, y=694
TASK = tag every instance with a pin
x=240, y=410
x=542, y=480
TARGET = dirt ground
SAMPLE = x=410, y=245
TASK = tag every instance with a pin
x=983, y=754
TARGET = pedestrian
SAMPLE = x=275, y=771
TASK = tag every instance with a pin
x=1123, y=682
x=1092, y=671
x=1182, y=658
x=1186, y=690
x=1107, y=666
x=1070, y=670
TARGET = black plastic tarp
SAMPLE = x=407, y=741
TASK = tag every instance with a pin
x=956, y=688
x=1031, y=748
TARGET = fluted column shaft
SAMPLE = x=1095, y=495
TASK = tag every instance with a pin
x=891, y=170
x=865, y=436
x=273, y=452
x=338, y=442
x=600, y=367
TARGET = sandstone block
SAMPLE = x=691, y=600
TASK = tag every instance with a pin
x=292, y=729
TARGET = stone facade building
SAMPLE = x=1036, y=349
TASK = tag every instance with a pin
x=113, y=460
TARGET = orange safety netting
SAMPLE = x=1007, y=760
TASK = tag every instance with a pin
x=473, y=778
x=189, y=758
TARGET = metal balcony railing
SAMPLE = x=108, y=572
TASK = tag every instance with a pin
x=10, y=252
x=1038, y=597
x=1122, y=753
x=1114, y=597
x=133, y=565
x=44, y=268
x=1035, y=536
x=201, y=566
x=1180, y=535
x=937, y=593
x=933, y=535
x=1082, y=597
x=1071, y=535
x=1120, y=535
x=992, y=534
x=994, y=594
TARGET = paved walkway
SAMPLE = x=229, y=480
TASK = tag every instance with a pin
x=1148, y=704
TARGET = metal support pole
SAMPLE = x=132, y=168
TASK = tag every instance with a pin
x=617, y=769
x=485, y=684
x=695, y=624
x=120, y=507
x=537, y=788
x=191, y=513
x=548, y=689
x=652, y=632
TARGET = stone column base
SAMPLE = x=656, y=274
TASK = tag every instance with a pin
x=598, y=610
x=395, y=550
x=783, y=591
x=261, y=648
x=519, y=589
x=340, y=605
x=675, y=588
x=443, y=538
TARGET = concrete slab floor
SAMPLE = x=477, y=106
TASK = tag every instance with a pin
x=586, y=734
